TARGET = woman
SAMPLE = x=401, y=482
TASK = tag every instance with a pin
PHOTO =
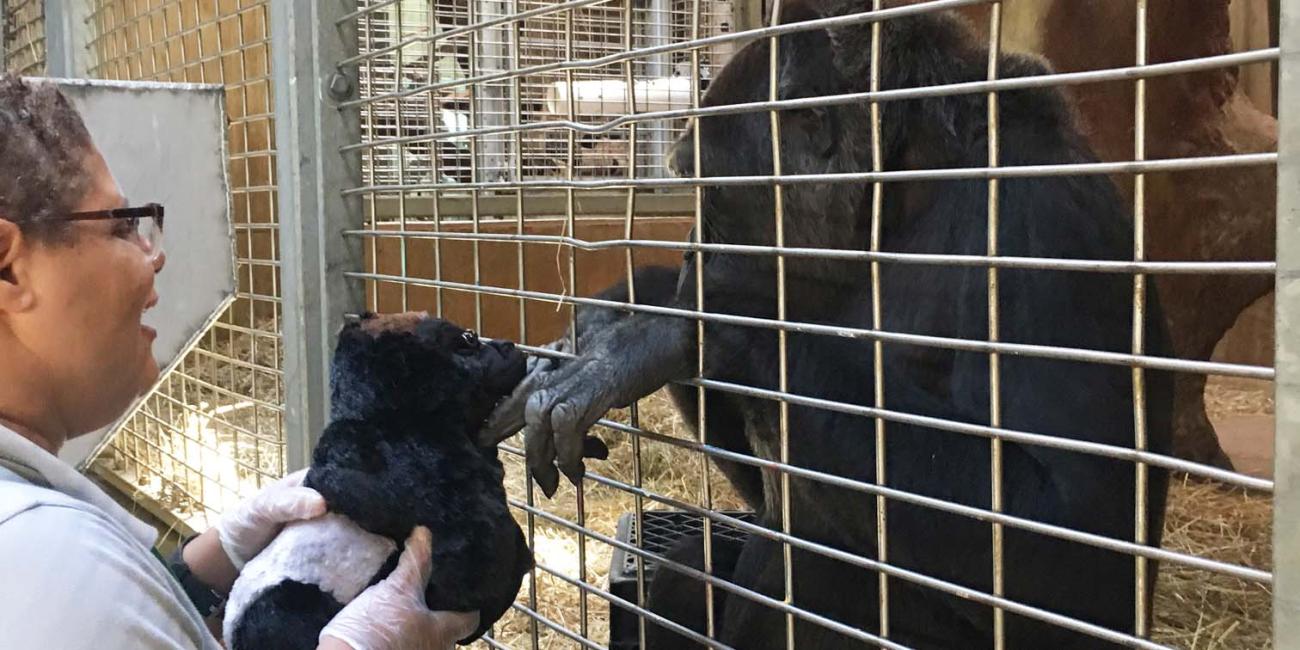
x=77, y=269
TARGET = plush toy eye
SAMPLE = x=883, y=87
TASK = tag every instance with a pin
x=470, y=338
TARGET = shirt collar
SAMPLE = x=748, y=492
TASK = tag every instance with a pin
x=41, y=467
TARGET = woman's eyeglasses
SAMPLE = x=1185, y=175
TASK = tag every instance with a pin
x=144, y=222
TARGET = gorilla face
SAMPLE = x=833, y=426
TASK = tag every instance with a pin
x=412, y=362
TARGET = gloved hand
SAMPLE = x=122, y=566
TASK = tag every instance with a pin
x=392, y=615
x=248, y=528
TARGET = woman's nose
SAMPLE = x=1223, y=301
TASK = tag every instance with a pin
x=159, y=261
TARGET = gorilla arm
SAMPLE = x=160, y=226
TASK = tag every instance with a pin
x=623, y=357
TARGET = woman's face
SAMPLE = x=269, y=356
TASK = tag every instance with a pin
x=85, y=322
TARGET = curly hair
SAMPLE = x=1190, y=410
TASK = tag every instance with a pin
x=43, y=149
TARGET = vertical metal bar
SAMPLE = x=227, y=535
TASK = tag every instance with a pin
x=435, y=168
x=517, y=108
x=660, y=32
x=1286, y=463
x=495, y=102
x=778, y=208
x=474, y=105
x=4, y=35
x=580, y=492
x=701, y=402
x=398, y=75
x=66, y=35
x=1140, y=604
x=629, y=228
x=878, y=366
x=305, y=41
x=995, y=367
x=747, y=14
x=376, y=156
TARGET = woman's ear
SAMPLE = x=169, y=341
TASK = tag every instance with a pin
x=15, y=290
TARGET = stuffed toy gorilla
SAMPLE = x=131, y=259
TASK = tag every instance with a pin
x=408, y=394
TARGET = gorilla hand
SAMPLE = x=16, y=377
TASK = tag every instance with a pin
x=557, y=417
x=560, y=399
x=509, y=416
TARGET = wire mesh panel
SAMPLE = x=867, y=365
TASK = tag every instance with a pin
x=928, y=363
x=213, y=431
x=23, y=36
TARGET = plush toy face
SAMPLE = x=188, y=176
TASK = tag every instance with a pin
x=412, y=362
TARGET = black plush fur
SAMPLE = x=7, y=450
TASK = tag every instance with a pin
x=407, y=393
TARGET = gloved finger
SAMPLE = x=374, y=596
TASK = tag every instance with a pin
x=291, y=504
x=415, y=565
x=454, y=626
x=293, y=479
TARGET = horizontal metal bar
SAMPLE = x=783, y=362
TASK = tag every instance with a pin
x=466, y=29
x=1015, y=349
x=933, y=6
x=1044, y=263
x=554, y=627
x=956, y=173
x=615, y=600
x=456, y=205
x=365, y=9
x=979, y=514
x=943, y=90
x=869, y=564
x=1009, y=435
x=731, y=587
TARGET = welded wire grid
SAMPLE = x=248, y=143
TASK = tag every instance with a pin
x=514, y=100
x=22, y=35
x=428, y=76
x=213, y=431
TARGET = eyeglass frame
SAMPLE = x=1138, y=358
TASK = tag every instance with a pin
x=151, y=210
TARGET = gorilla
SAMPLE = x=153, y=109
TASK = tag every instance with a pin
x=624, y=355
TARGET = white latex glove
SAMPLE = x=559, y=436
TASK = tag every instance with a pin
x=392, y=615
x=249, y=527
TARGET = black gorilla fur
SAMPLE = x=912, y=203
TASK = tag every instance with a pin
x=408, y=392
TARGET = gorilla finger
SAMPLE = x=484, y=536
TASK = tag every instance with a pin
x=540, y=458
x=547, y=478
x=539, y=443
x=593, y=447
x=570, y=427
x=504, y=422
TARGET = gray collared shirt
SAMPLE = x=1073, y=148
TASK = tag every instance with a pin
x=76, y=569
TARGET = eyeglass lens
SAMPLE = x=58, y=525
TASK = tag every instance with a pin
x=149, y=234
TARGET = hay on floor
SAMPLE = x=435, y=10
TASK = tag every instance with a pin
x=1193, y=609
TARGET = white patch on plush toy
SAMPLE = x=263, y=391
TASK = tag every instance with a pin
x=330, y=552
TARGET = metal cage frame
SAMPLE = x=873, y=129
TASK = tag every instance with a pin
x=349, y=173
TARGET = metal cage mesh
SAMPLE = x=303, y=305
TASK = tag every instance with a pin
x=213, y=432
x=23, y=36
x=497, y=140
